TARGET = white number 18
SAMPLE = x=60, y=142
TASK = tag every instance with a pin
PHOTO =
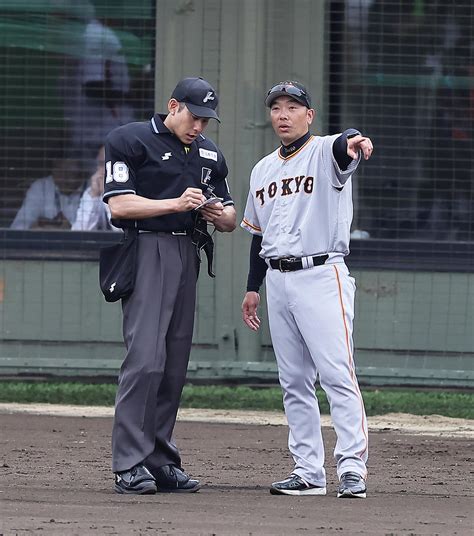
x=119, y=172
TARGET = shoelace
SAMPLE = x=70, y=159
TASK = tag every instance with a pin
x=174, y=475
x=172, y=471
x=352, y=478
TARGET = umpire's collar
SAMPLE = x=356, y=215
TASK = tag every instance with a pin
x=158, y=126
x=288, y=150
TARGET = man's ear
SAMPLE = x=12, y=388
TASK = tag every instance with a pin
x=311, y=114
x=173, y=106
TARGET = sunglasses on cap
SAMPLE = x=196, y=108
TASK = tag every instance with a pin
x=295, y=92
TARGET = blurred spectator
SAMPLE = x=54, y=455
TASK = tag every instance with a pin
x=93, y=214
x=446, y=203
x=95, y=86
x=52, y=201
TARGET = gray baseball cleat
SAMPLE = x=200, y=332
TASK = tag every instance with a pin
x=295, y=485
x=352, y=486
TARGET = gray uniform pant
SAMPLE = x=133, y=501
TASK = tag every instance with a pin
x=311, y=316
x=158, y=323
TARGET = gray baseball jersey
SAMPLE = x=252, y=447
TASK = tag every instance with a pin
x=302, y=204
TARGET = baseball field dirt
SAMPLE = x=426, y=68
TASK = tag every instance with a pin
x=55, y=479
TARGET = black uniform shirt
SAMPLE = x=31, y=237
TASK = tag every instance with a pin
x=148, y=160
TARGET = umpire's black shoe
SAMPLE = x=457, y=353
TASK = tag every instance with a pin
x=137, y=480
x=352, y=486
x=172, y=479
x=295, y=485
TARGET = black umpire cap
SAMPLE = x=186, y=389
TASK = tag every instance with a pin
x=198, y=95
x=289, y=88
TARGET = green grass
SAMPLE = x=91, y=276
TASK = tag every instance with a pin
x=377, y=402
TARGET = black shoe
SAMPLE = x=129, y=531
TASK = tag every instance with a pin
x=137, y=480
x=172, y=479
x=295, y=485
x=352, y=486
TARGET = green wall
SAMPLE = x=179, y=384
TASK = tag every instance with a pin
x=410, y=327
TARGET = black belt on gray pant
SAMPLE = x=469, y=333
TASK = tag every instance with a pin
x=291, y=264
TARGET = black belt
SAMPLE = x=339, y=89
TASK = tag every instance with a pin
x=291, y=264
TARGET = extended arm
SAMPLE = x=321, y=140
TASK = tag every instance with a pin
x=347, y=146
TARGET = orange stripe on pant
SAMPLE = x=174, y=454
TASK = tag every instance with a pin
x=351, y=362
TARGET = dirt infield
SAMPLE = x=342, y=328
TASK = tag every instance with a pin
x=55, y=479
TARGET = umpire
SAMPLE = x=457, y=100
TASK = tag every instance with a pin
x=158, y=173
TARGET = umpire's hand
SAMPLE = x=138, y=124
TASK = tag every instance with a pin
x=190, y=199
x=212, y=212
